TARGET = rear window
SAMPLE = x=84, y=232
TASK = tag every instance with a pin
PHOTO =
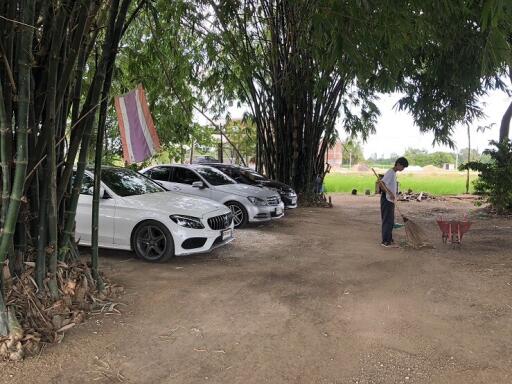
x=214, y=176
x=125, y=182
x=159, y=173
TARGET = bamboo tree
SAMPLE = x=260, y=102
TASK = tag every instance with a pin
x=85, y=126
x=116, y=26
x=86, y=122
x=80, y=118
x=24, y=50
x=54, y=35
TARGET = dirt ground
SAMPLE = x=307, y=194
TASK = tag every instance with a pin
x=311, y=298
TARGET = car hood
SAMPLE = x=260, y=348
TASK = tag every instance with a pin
x=276, y=184
x=176, y=203
x=245, y=190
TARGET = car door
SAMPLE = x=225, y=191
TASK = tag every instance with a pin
x=107, y=212
x=182, y=180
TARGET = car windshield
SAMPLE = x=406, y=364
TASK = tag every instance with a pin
x=125, y=182
x=213, y=176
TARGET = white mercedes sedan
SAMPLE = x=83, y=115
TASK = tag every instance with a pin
x=138, y=214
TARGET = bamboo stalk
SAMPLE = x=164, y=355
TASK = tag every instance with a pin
x=50, y=125
x=24, y=49
x=42, y=236
x=4, y=325
x=5, y=130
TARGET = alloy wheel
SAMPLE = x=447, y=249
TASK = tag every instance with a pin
x=151, y=243
x=238, y=214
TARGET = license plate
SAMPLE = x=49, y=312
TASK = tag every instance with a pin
x=278, y=211
x=294, y=201
x=226, y=234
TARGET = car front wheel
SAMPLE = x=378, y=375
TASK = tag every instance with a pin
x=240, y=216
x=153, y=242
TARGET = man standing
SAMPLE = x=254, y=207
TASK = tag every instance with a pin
x=387, y=200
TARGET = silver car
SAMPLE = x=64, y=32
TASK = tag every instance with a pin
x=248, y=203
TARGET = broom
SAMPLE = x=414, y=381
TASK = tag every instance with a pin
x=415, y=234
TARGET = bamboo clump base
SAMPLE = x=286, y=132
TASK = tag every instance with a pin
x=31, y=318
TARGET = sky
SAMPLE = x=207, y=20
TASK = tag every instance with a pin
x=396, y=131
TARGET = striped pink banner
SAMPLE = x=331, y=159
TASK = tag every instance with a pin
x=138, y=134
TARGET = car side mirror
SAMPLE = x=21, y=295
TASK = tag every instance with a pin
x=102, y=192
x=198, y=184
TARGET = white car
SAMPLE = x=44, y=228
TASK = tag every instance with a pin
x=246, y=202
x=138, y=214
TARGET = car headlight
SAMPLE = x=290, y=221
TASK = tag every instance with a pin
x=187, y=221
x=257, y=201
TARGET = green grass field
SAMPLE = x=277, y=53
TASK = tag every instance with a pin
x=436, y=184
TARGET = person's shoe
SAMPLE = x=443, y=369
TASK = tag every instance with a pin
x=389, y=244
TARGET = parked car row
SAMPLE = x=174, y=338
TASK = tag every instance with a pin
x=168, y=210
x=247, y=203
x=249, y=176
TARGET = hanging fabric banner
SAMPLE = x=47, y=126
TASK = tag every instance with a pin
x=138, y=134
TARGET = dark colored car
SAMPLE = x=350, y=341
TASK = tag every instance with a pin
x=205, y=160
x=249, y=176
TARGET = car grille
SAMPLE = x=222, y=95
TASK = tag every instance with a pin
x=220, y=222
x=274, y=200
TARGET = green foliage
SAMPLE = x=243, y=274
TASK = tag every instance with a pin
x=422, y=157
x=352, y=152
x=242, y=134
x=440, y=158
x=474, y=155
x=495, y=177
x=161, y=52
x=459, y=53
x=417, y=156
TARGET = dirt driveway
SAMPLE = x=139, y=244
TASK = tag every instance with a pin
x=311, y=298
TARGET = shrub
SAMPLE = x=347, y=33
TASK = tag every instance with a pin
x=495, y=177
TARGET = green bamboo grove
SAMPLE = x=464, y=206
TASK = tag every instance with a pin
x=56, y=64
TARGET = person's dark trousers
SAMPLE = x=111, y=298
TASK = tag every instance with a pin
x=387, y=211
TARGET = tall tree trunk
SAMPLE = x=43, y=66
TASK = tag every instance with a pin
x=505, y=124
x=469, y=158
x=191, y=151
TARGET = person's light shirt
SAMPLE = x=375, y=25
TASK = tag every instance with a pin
x=390, y=180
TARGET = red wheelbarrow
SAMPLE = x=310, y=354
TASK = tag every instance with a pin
x=453, y=230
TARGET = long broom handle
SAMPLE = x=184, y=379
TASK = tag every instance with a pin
x=382, y=184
